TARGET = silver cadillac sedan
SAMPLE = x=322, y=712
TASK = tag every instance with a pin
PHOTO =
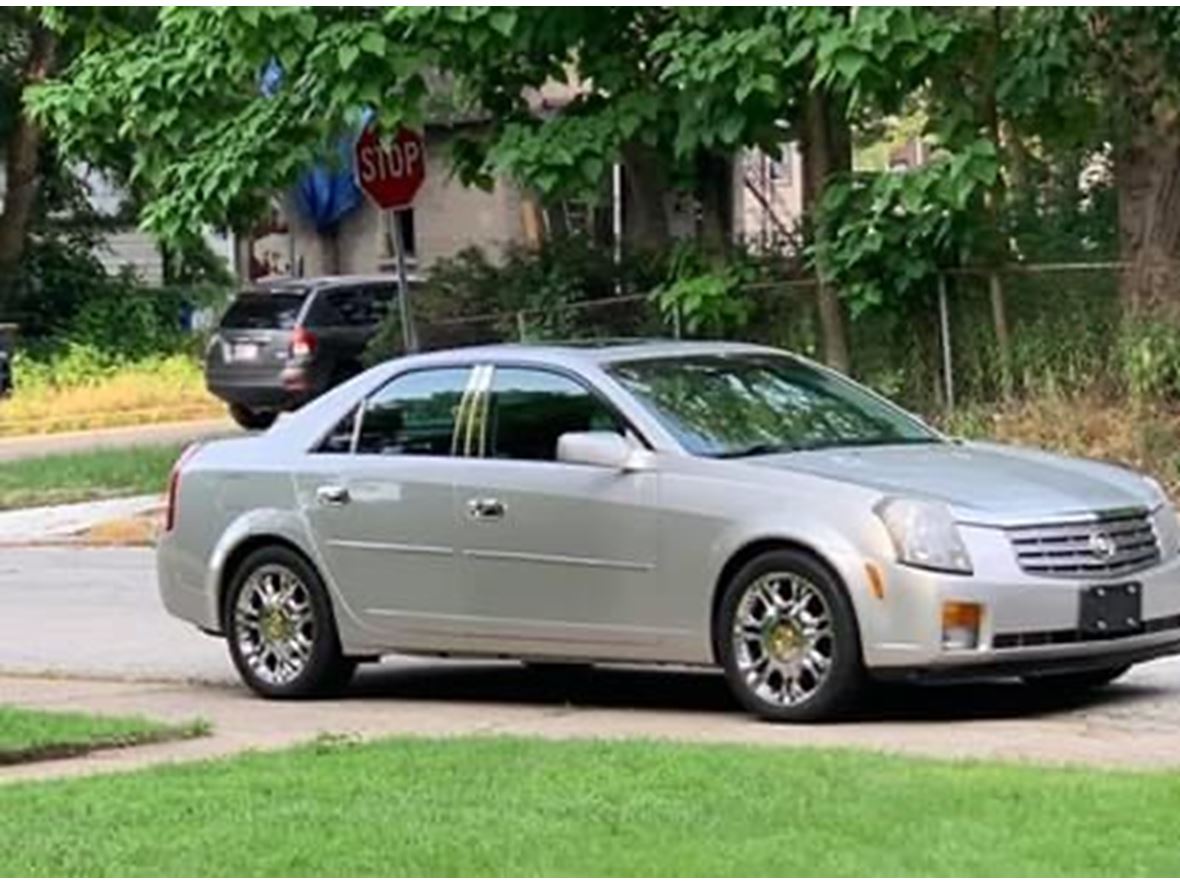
x=696, y=503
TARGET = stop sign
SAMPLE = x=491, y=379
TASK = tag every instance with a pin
x=390, y=170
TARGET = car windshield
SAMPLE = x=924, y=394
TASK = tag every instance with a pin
x=264, y=310
x=738, y=405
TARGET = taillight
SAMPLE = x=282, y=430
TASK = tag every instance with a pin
x=302, y=344
x=174, y=486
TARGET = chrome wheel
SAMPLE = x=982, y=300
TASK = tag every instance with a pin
x=274, y=624
x=783, y=640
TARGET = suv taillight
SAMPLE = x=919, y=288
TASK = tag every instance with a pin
x=174, y=486
x=302, y=344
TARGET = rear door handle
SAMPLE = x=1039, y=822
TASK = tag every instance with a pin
x=332, y=496
x=485, y=508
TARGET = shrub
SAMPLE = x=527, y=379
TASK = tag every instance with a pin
x=1149, y=360
x=703, y=296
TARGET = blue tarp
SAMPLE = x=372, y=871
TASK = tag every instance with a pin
x=326, y=193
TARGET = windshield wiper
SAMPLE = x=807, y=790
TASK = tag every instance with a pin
x=758, y=449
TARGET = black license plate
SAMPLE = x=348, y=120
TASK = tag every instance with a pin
x=1111, y=610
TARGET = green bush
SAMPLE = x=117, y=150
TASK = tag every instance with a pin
x=704, y=296
x=1149, y=360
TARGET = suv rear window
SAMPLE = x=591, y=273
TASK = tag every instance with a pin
x=263, y=310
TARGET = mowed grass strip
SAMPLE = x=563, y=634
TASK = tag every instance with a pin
x=86, y=476
x=501, y=807
x=35, y=735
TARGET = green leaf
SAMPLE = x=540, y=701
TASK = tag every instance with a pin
x=503, y=21
x=803, y=49
x=373, y=43
x=347, y=56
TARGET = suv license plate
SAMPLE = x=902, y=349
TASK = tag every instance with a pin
x=1111, y=610
x=243, y=352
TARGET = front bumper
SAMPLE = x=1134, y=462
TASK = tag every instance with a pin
x=1030, y=624
x=996, y=667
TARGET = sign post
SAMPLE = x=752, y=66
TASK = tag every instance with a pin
x=390, y=171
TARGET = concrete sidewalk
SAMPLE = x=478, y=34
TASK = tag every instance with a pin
x=16, y=447
x=505, y=699
x=62, y=523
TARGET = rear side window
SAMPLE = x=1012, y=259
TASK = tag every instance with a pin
x=345, y=307
x=531, y=408
x=414, y=414
x=263, y=310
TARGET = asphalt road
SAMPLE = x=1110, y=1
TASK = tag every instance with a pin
x=96, y=613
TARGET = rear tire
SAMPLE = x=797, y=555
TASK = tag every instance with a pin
x=280, y=629
x=250, y=419
x=788, y=640
x=1083, y=680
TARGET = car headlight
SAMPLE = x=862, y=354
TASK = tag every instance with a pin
x=1163, y=514
x=924, y=535
x=1158, y=494
x=1167, y=529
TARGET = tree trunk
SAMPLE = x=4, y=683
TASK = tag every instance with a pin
x=1147, y=175
x=645, y=213
x=243, y=242
x=715, y=197
x=994, y=201
x=22, y=160
x=827, y=151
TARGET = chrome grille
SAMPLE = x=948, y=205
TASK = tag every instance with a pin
x=1116, y=544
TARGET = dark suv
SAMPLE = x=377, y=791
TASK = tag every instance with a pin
x=288, y=341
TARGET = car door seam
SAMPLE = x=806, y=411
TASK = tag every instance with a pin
x=558, y=559
x=392, y=546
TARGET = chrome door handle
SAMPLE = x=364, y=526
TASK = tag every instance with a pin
x=332, y=496
x=485, y=508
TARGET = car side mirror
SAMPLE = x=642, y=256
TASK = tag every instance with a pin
x=598, y=448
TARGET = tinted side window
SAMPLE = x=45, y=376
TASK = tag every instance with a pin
x=531, y=408
x=384, y=298
x=414, y=414
x=345, y=307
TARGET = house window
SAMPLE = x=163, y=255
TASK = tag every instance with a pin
x=780, y=166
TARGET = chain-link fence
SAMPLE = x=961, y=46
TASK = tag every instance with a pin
x=1059, y=324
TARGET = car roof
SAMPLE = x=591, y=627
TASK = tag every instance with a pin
x=594, y=351
x=307, y=284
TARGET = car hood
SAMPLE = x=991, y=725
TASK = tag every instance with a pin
x=980, y=480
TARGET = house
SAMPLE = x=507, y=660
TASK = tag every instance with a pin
x=446, y=218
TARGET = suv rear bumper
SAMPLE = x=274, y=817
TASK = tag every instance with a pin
x=285, y=388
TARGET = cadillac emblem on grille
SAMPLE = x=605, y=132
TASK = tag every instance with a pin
x=1102, y=545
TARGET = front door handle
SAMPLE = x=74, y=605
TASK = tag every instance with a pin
x=485, y=508
x=332, y=496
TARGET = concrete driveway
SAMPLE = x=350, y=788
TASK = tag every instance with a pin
x=83, y=629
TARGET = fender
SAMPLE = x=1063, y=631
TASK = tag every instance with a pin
x=291, y=528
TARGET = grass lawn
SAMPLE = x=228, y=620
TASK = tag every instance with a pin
x=527, y=807
x=77, y=394
x=85, y=476
x=29, y=735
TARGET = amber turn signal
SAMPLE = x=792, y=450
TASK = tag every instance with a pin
x=960, y=625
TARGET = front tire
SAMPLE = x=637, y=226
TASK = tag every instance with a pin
x=788, y=640
x=279, y=626
x=251, y=419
